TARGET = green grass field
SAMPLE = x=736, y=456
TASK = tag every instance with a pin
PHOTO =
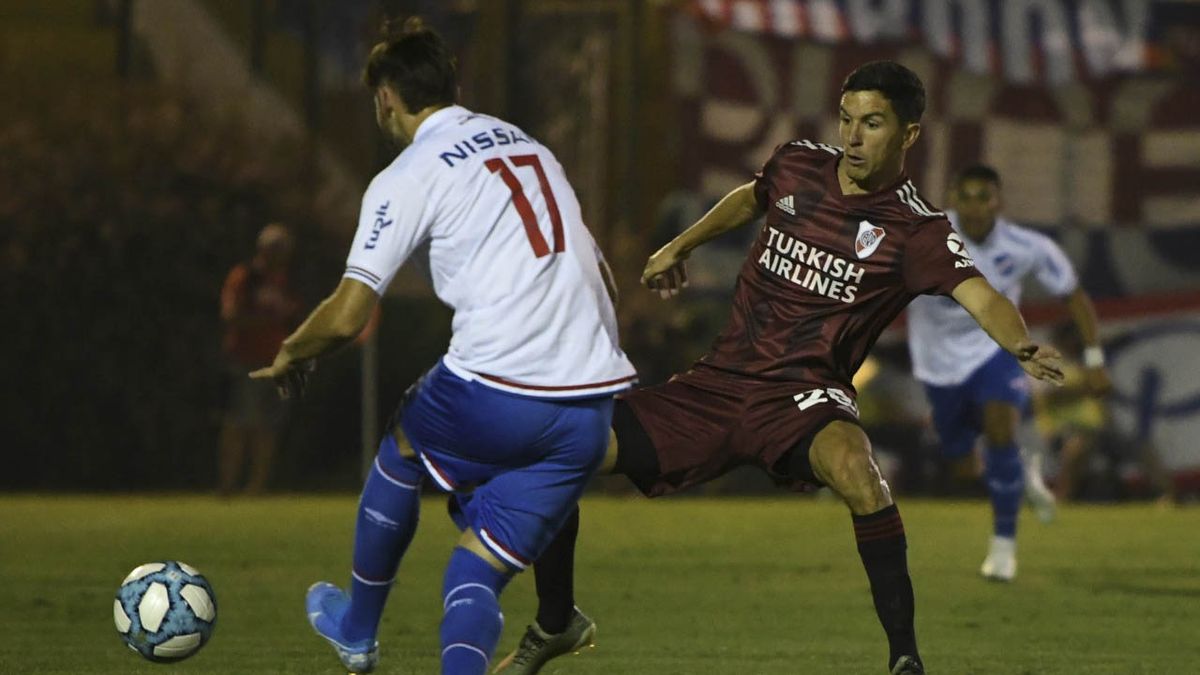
x=677, y=586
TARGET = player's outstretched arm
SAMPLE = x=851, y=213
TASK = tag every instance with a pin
x=336, y=321
x=1083, y=313
x=665, y=271
x=997, y=315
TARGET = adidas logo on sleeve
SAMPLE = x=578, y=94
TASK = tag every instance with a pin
x=787, y=205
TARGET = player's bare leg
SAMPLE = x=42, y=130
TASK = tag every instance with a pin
x=841, y=458
x=1005, y=480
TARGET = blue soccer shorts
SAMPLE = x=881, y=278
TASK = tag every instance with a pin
x=958, y=409
x=523, y=461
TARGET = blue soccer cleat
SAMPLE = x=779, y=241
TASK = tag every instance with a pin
x=325, y=605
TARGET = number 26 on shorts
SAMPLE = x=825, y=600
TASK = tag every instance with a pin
x=813, y=397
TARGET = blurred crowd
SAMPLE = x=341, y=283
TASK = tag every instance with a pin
x=122, y=210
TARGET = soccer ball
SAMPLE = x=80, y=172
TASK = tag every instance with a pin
x=165, y=611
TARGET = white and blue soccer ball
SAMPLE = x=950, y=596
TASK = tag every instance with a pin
x=165, y=611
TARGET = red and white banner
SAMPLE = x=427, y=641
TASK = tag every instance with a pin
x=1023, y=41
x=1109, y=166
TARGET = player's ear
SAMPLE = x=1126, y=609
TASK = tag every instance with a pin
x=912, y=131
x=390, y=102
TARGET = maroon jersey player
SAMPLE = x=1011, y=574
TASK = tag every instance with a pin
x=847, y=242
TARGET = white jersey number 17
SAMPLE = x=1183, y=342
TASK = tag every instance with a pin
x=536, y=240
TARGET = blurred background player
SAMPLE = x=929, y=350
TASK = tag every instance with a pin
x=1078, y=422
x=518, y=410
x=847, y=243
x=975, y=387
x=1071, y=416
x=258, y=309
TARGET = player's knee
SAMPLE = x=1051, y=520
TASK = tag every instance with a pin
x=999, y=434
x=405, y=448
x=1000, y=437
x=858, y=476
x=395, y=465
x=842, y=459
x=1000, y=423
x=470, y=542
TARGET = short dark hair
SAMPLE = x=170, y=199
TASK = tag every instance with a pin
x=898, y=84
x=415, y=61
x=977, y=172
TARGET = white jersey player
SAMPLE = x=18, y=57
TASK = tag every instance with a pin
x=946, y=344
x=515, y=418
x=508, y=251
x=974, y=387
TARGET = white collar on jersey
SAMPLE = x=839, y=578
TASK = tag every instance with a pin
x=438, y=119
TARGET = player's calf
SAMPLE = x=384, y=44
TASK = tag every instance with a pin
x=387, y=519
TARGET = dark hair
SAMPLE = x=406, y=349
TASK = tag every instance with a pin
x=977, y=172
x=898, y=84
x=414, y=60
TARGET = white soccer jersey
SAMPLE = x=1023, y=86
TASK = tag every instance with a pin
x=508, y=252
x=946, y=344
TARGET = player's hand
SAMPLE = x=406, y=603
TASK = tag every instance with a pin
x=1098, y=382
x=1041, y=361
x=666, y=272
x=291, y=377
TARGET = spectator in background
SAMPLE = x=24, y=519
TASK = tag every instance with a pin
x=259, y=309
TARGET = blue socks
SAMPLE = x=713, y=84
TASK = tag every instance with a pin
x=472, y=621
x=1006, y=485
x=387, y=519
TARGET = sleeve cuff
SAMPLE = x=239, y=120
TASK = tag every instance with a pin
x=364, y=275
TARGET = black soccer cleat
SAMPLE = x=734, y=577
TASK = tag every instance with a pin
x=908, y=665
x=537, y=646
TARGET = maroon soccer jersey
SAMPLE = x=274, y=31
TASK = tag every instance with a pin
x=828, y=272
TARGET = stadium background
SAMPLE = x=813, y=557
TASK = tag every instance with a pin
x=142, y=145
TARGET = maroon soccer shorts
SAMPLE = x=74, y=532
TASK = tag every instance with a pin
x=706, y=422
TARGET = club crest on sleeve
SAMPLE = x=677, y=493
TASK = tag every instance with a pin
x=787, y=205
x=959, y=248
x=869, y=236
